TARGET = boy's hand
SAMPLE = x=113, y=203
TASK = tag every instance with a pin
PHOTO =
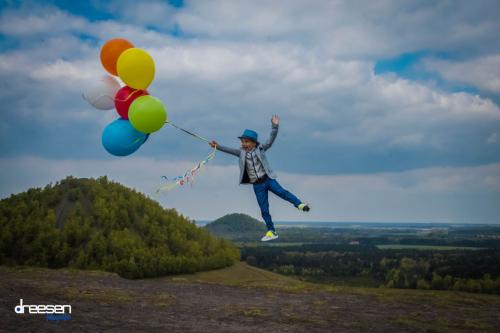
x=275, y=120
x=213, y=143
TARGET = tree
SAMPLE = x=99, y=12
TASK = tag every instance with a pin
x=437, y=282
x=104, y=225
x=422, y=284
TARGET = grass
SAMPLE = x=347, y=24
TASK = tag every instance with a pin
x=421, y=302
x=261, y=314
x=437, y=298
x=252, y=312
x=94, y=294
x=425, y=247
x=65, y=270
x=343, y=281
x=243, y=275
x=414, y=322
x=305, y=320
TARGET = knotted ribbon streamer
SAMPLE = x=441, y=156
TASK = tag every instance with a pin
x=189, y=175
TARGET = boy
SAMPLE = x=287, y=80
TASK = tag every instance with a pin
x=255, y=169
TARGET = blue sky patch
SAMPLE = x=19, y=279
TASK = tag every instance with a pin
x=409, y=66
x=176, y=3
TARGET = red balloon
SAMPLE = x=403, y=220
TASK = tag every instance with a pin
x=124, y=97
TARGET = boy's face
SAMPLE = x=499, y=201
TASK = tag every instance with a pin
x=247, y=144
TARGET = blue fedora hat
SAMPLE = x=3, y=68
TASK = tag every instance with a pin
x=249, y=134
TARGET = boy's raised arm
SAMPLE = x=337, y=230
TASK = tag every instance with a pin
x=274, y=132
x=232, y=151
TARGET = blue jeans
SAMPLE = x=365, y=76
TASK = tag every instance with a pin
x=261, y=191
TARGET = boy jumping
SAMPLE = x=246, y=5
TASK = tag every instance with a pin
x=255, y=169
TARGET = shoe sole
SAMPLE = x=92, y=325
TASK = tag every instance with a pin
x=270, y=239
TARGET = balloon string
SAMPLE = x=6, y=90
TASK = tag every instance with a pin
x=129, y=95
x=186, y=131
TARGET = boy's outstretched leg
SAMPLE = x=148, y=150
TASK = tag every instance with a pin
x=263, y=200
x=277, y=189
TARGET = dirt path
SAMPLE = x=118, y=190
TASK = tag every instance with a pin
x=105, y=302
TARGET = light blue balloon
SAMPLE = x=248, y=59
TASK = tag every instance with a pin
x=120, y=138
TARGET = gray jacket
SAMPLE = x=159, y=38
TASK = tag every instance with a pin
x=260, y=152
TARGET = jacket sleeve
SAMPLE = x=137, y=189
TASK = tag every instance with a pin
x=274, y=132
x=227, y=150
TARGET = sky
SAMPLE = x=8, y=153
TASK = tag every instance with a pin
x=390, y=110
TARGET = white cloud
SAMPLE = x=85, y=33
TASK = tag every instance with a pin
x=288, y=75
x=432, y=194
x=62, y=70
x=223, y=83
x=349, y=29
x=35, y=20
x=482, y=72
x=145, y=13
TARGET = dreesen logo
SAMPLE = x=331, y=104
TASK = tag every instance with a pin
x=42, y=309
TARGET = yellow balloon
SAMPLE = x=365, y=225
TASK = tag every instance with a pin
x=136, y=68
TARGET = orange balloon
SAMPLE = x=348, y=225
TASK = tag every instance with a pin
x=111, y=51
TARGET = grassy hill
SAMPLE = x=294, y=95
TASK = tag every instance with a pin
x=100, y=224
x=244, y=275
x=237, y=227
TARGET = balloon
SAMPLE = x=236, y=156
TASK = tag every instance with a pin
x=111, y=51
x=120, y=138
x=101, y=93
x=124, y=97
x=147, y=114
x=136, y=68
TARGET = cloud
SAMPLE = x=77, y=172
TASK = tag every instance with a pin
x=223, y=66
x=482, y=72
x=36, y=20
x=143, y=13
x=431, y=195
x=219, y=87
x=348, y=29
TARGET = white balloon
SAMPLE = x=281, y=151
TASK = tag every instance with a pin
x=101, y=93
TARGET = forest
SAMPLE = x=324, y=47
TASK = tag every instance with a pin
x=100, y=224
x=436, y=256
x=360, y=265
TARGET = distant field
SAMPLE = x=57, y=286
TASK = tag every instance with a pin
x=425, y=247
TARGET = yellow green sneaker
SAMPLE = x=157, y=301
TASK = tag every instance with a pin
x=270, y=235
x=303, y=207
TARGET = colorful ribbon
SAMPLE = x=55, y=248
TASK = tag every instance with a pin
x=188, y=177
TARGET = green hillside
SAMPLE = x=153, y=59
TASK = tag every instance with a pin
x=100, y=224
x=237, y=227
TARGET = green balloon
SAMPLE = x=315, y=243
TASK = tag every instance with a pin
x=147, y=114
